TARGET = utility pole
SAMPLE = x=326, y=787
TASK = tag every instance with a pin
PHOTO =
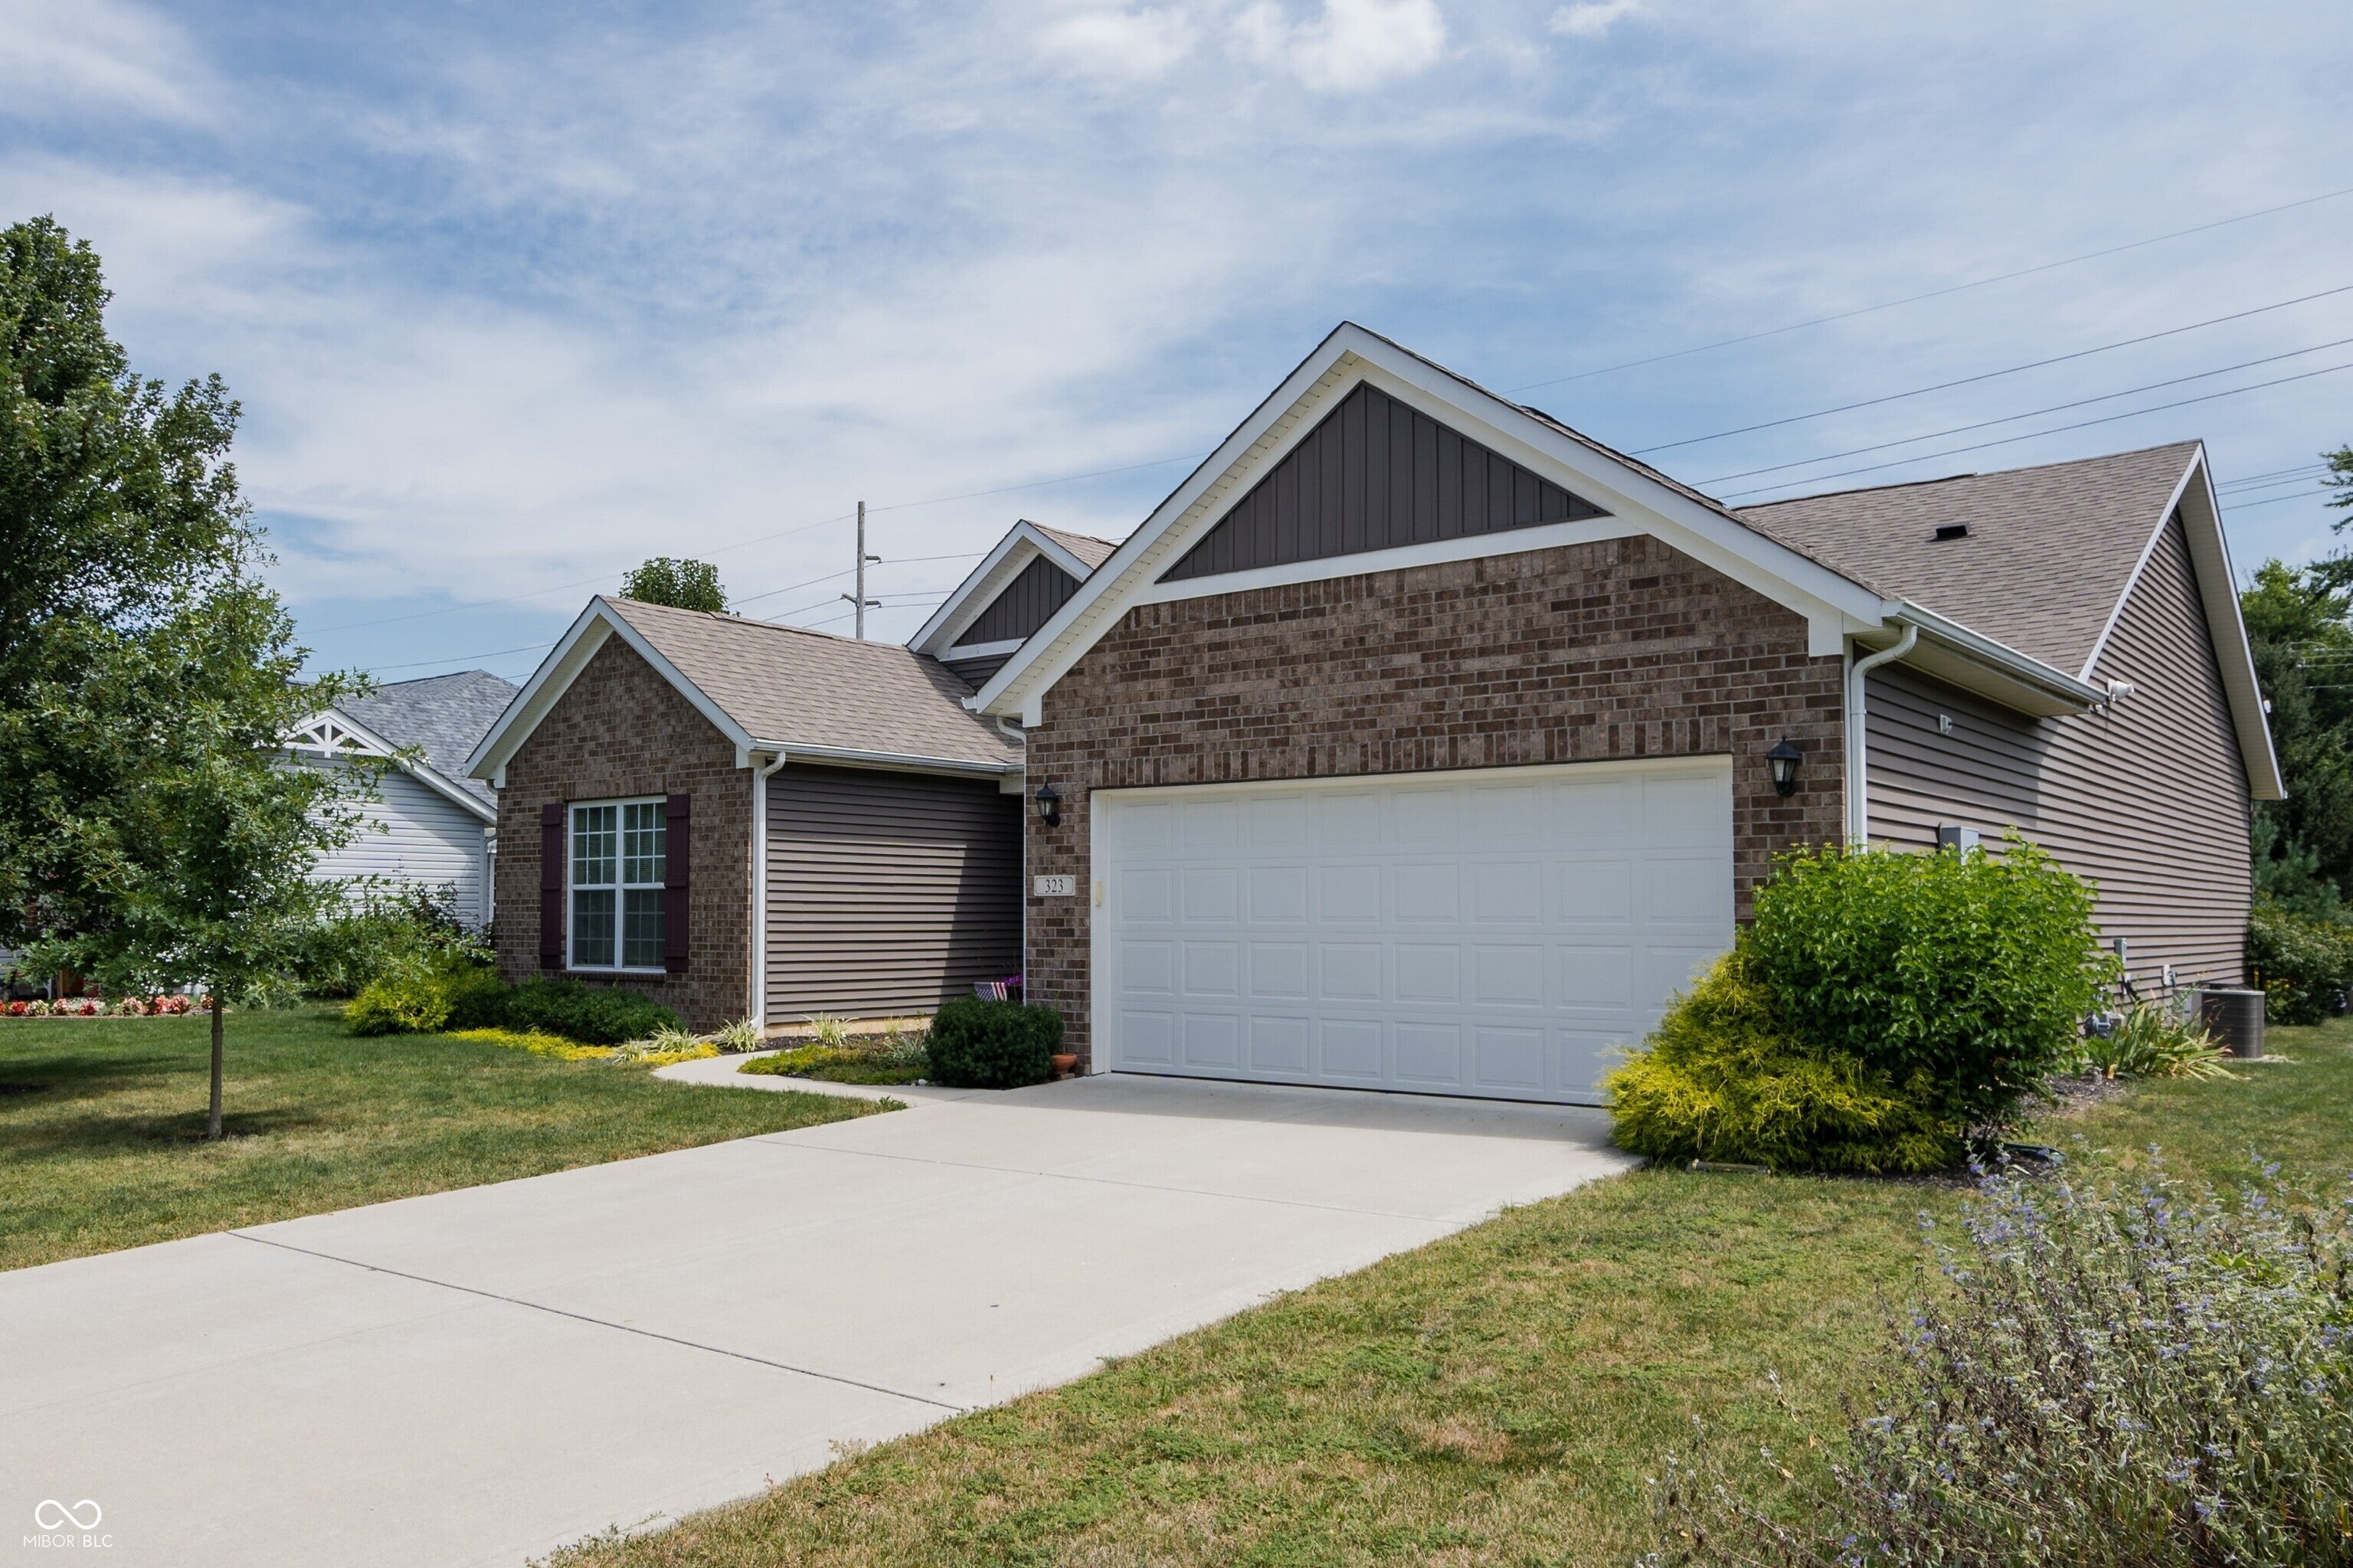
x=859, y=599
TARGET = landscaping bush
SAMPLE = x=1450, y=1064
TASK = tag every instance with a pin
x=594, y=1015
x=339, y=955
x=2142, y=1379
x=977, y=1044
x=2302, y=961
x=419, y=995
x=1724, y=1077
x=1972, y=968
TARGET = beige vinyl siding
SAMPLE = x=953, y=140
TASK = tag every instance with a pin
x=888, y=893
x=2149, y=801
x=417, y=836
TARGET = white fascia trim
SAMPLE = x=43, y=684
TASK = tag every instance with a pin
x=2217, y=589
x=2147, y=549
x=1834, y=605
x=986, y=581
x=1543, y=537
x=563, y=666
x=980, y=650
x=2000, y=657
x=895, y=761
x=425, y=773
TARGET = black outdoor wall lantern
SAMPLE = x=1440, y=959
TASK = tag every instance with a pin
x=1785, y=759
x=1049, y=805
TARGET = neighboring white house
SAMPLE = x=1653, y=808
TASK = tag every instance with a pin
x=430, y=826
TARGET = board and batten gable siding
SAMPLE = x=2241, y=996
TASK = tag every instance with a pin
x=1027, y=603
x=888, y=893
x=622, y=732
x=974, y=672
x=2148, y=800
x=412, y=835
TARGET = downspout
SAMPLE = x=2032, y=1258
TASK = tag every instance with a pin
x=1858, y=773
x=758, y=1013
x=1012, y=731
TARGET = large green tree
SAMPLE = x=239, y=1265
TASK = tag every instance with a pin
x=153, y=829
x=2300, y=625
x=681, y=584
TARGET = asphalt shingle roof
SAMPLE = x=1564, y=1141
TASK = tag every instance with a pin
x=799, y=687
x=1094, y=552
x=444, y=717
x=2048, y=554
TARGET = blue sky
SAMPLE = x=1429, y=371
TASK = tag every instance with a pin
x=516, y=296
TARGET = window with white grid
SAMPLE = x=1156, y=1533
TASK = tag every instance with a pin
x=620, y=865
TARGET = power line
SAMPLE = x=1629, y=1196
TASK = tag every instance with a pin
x=1992, y=375
x=463, y=658
x=2030, y=414
x=1933, y=293
x=2055, y=430
x=2231, y=505
x=2276, y=476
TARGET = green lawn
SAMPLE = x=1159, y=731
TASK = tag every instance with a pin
x=100, y=1123
x=1495, y=1398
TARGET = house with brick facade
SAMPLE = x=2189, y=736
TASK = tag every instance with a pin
x=1418, y=742
x=745, y=820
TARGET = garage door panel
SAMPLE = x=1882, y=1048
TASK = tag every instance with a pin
x=1147, y=1039
x=1349, y=1049
x=1280, y=1043
x=1212, y=1039
x=1350, y=971
x=1507, y=976
x=1429, y=1055
x=1600, y=891
x=1511, y=1060
x=1278, y=971
x=1147, y=895
x=1502, y=932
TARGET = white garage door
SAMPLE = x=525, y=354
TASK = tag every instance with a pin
x=1491, y=933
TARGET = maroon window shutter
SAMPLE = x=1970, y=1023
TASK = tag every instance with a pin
x=678, y=814
x=551, y=885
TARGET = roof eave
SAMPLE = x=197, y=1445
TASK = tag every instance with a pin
x=888, y=761
x=1969, y=659
x=1832, y=600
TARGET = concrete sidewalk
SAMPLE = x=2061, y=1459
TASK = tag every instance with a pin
x=476, y=1377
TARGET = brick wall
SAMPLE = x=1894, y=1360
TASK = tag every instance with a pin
x=1623, y=649
x=622, y=730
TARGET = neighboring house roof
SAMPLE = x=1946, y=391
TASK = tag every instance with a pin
x=429, y=726
x=1024, y=543
x=774, y=688
x=2027, y=634
x=2049, y=552
x=444, y=717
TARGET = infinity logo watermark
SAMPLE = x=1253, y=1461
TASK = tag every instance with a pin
x=68, y=1524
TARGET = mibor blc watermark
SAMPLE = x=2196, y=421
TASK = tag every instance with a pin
x=70, y=1526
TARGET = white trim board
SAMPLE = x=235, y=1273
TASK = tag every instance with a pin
x=1023, y=542
x=1835, y=607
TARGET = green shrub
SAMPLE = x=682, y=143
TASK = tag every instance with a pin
x=2150, y=1378
x=1724, y=1078
x=407, y=998
x=388, y=926
x=1972, y=968
x=977, y=1044
x=594, y=1015
x=2300, y=962
x=418, y=995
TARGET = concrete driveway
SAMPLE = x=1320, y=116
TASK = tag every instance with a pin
x=477, y=1377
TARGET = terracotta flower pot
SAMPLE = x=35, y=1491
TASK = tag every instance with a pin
x=1065, y=1064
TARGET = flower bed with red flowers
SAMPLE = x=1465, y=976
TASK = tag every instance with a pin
x=92, y=1007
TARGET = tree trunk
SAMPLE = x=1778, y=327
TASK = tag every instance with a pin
x=212, y=1123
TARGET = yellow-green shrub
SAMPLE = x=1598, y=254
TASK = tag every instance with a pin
x=537, y=1042
x=1724, y=1077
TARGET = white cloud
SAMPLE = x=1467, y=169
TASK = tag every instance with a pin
x=1353, y=46
x=1142, y=45
x=55, y=53
x=1592, y=19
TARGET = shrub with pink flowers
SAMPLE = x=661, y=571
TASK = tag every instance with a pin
x=172, y=1006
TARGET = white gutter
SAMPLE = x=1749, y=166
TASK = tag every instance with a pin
x=906, y=761
x=758, y=1013
x=1999, y=656
x=1858, y=801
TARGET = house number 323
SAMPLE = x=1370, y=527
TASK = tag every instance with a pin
x=1057, y=887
